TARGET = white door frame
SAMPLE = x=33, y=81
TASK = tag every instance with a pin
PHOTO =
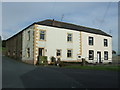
x=98, y=56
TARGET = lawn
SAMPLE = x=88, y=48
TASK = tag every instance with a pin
x=0, y=48
x=102, y=67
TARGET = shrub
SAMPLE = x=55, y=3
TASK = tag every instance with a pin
x=42, y=60
x=83, y=62
x=53, y=60
x=59, y=62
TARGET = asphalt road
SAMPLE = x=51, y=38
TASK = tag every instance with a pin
x=20, y=75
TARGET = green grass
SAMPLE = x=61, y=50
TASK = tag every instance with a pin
x=3, y=48
x=0, y=48
x=111, y=68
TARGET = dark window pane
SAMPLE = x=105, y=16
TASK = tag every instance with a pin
x=58, y=53
x=28, y=35
x=69, y=37
x=28, y=52
x=69, y=53
x=91, y=54
x=42, y=35
x=105, y=55
x=90, y=40
x=105, y=42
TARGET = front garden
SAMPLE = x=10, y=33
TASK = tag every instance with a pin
x=42, y=60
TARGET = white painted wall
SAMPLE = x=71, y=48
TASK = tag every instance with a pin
x=56, y=38
x=98, y=46
x=27, y=44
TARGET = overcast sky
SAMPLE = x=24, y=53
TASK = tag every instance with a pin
x=99, y=15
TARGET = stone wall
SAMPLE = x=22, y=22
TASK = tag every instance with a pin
x=14, y=46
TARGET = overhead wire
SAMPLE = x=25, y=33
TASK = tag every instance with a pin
x=102, y=21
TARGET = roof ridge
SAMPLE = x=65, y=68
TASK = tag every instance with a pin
x=48, y=22
x=69, y=24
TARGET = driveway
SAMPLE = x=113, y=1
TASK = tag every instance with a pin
x=20, y=75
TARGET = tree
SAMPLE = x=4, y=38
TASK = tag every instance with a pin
x=4, y=43
x=0, y=41
x=113, y=52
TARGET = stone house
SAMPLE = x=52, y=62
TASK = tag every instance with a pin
x=67, y=41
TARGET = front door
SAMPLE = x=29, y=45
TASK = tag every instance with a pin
x=99, y=57
x=41, y=51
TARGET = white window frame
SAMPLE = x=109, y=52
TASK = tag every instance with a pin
x=42, y=32
x=105, y=42
x=90, y=39
x=105, y=55
x=91, y=54
x=58, y=52
x=71, y=52
x=69, y=37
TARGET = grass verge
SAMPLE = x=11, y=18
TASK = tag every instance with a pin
x=111, y=68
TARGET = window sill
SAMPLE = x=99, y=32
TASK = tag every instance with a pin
x=91, y=45
x=90, y=59
x=42, y=40
x=69, y=41
x=69, y=57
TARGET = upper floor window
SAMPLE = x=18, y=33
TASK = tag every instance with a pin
x=105, y=42
x=42, y=35
x=69, y=53
x=28, y=35
x=105, y=55
x=91, y=54
x=58, y=53
x=69, y=37
x=90, y=40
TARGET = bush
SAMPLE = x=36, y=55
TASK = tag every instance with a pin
x=53, y=60
x=59, y=62
x=83, y=62
x=42, y=60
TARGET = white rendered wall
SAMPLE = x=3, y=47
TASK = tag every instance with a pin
x=56, y=38
x=98, y=46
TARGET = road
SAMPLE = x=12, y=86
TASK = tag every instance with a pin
x=20, y=75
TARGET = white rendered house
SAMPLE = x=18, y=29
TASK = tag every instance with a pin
x=68, y=41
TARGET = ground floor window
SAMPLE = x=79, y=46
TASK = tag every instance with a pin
x=21, y=53
x=91, y=54
x=58, y=52
x=105, y=55
x=28, y=52
x=69, y=53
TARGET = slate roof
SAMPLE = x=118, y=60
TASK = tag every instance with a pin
x=70, y=26
x=65, y=25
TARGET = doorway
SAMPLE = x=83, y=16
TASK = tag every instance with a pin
x=41, y=52
x=99, y=57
